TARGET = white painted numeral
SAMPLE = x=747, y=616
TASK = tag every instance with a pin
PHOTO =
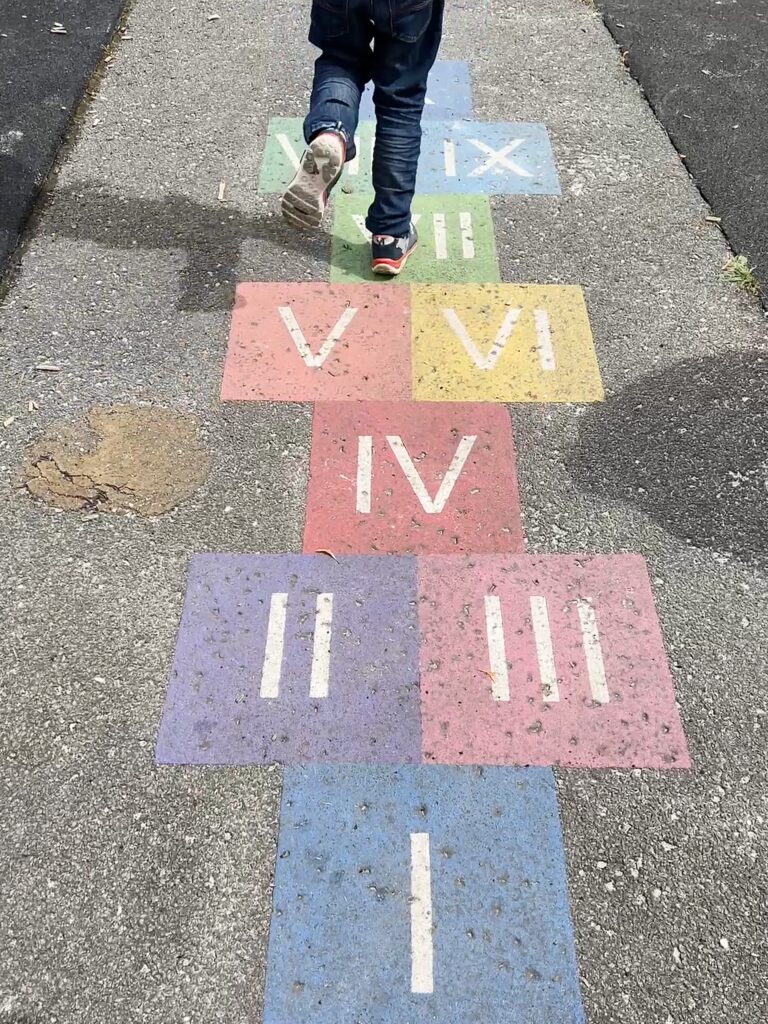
x=497, y=648
x=449, y=154
x=321, y=647
x=488, y=361
x=287, y=147
x=441, y=236
x=544, y=340
x=498, y=160
x=467, y=236
x=542, y=634
x=315, y=361
x=353, y=167
x=432, y=506
x=594, y=653
x=422, y=952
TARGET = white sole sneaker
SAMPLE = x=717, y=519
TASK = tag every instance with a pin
x=306, y=197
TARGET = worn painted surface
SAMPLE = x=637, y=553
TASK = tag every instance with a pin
x=503, y=343
x=342, y=943
x=312, y=342
x=449, y=93
x=456, y=157
x=545, y=659
x=412, y=476
x=456, y=240
x=247, y=683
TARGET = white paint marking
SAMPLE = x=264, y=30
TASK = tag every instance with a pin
x=321, y=648
x=290, y=152
x=497, y=648
x=364, y=474
x=359, y=219
x=546, y=655
x=273, y=652
x=594, y=653
x=498, y=160
x=544, y=337
x=301, y=343
x=422, y=952
x=428, y=102
x=487, y=362
x=441, y=237
x=449, y=155
x=430, y=506
x=467, y=235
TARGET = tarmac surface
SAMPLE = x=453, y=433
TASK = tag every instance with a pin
x=43, y=75
x=702, y=67
x=132, y=892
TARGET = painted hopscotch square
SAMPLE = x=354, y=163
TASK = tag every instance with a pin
x=502, y=343
x=289, y=658
x=456, y=157
x=420, y=894
x=493, y=159
x=285, y=146
x=457, y=242
x=449, y=93
x=538, y=660
x=412, y=477
x=314, y=342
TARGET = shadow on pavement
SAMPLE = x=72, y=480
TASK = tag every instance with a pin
x=689, y=447
x=211, y=236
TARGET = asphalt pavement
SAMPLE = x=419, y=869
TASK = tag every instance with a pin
x=702, y=67
x=48, y=51
x=133, y=892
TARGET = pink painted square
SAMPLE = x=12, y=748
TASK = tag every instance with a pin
x=412, y=477
x=318, y=342
x=545, y=660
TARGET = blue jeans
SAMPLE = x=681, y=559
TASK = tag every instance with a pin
x=394, y=43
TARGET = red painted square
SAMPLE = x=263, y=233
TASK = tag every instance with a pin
x=314, y=342
x=538, y=660
x=397, y=477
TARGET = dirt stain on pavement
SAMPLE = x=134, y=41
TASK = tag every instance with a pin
x=119, y=458
x=687, y=445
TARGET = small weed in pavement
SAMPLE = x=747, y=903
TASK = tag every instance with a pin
x=738, y=271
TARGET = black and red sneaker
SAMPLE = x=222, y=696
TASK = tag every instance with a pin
x=389, y=255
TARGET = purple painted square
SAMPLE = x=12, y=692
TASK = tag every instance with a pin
x=294, y=659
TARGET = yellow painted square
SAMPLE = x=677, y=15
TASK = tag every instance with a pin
x=502, y=343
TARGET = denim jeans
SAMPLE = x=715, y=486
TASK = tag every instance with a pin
x=394, y=43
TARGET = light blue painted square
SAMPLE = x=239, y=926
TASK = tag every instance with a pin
x=340, y=938
x=495, y=159
x=449, y=93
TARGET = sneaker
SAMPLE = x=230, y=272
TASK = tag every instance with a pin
x=389, y=255
x=306, y=197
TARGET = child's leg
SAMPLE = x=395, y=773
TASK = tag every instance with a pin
x=404, y=53
x=340, y=29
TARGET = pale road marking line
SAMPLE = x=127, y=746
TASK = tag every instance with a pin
x=467, y=235
x=430, y=506
x=499, y=157
x=480, y=361
x=353, y=167
x=321, y=648
x=422, y=952
x=359, y=219
x=290, y=152
x=544, y=336
x=364, y=474
x=301, y=343
x=594, y=653
x=441, y=237
x=273, y=652
x=497, y=648
x=543, y=636
x=449, y=155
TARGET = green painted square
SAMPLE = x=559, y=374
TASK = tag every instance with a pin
x=457, y=244
x=285, y=146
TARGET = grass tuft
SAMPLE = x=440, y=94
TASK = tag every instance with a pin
x=739, y=272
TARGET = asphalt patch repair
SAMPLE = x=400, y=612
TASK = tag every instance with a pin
x=120, y=458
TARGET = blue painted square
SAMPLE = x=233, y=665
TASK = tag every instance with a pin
x=503, y=159
x=341, y=937
x=449, y=93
